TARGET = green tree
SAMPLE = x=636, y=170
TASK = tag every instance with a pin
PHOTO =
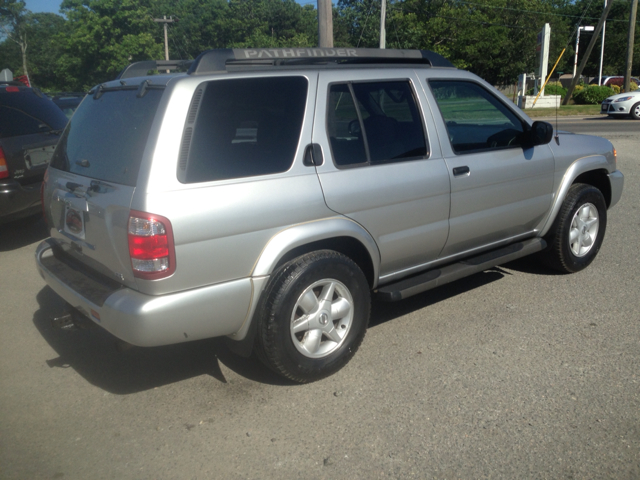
x=13, y=23
x=206, y=24
x=495, y=39
x=44, y=51
x=102, y=37
x=615, y=45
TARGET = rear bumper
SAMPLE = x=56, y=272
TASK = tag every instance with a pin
x=146, y=320
x=18, y=201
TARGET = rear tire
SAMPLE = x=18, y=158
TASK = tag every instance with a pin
x=577, y=232
x=313, y=316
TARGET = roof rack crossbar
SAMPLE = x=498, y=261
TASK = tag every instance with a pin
x=217, y=60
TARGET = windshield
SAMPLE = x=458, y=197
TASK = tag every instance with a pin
x=106, y=137
x=25, y=113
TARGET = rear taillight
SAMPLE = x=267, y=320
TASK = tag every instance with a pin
x=151, y=246
x=4, y=169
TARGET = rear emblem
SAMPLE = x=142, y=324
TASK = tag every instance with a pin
x=74, y=222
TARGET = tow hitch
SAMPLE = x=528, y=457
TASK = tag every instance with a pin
x=72, y=319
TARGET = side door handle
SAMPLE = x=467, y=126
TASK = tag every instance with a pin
x=459, y=171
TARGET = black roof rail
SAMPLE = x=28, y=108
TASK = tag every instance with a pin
x=218, y=60
x=141, y=69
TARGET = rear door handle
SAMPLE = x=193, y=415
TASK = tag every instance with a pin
x=458, y=171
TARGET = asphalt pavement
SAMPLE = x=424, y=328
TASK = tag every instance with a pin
x=515, y=372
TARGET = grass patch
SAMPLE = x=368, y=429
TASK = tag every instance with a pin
x=564, y=110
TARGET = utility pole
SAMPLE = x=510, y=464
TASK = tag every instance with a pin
x=166, y=21
x=630, y=40
x=383, y=32
x=594, y=37
x=604, y=27
x=325, y=24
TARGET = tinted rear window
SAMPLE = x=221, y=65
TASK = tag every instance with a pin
x=25, y=113
x=243, y=128
x=107, y=136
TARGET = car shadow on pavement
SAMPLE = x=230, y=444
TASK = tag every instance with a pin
x=382, y=312
x=531, y=266
x=21, y=233
x=119, y=368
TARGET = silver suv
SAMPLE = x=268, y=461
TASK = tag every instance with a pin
x=266, y=194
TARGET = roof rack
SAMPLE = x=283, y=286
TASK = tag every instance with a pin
x=218, y=60
x=141, y=69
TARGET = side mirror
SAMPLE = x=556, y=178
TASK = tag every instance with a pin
x=541, y=133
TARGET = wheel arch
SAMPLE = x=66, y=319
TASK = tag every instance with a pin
x=599, y=179
x=592, y=170
x=339, y=233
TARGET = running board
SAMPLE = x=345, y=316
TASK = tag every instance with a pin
x=439, y=276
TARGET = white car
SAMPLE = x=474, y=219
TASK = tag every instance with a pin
x=627, y=103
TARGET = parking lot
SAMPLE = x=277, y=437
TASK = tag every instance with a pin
x=516, y=372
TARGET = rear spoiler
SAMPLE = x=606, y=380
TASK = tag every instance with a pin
x=141, y=69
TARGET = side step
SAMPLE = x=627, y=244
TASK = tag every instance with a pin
x=434, y=278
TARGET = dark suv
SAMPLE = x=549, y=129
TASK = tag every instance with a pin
x=30, y=125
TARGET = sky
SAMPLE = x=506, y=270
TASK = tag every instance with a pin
x=54, y=5
x=44, y=5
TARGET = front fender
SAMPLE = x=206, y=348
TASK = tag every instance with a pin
x=577, y=168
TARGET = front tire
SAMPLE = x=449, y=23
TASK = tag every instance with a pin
x=313, y=316
x=577, y=233
x=635, y=111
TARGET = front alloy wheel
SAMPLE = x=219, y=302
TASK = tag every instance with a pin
x=577, y=232
x=584, y=230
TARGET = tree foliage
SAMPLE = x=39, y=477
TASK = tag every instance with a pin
x=496, y=39
x=104, y=36
x=14, y=19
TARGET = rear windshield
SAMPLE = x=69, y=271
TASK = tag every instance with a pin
x=107, y=136
x=25, y=113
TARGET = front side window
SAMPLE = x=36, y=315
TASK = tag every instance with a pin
x=245, y=127
x=374, y=122
x=475, y=119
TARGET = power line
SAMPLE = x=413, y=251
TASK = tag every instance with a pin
x=536, y=12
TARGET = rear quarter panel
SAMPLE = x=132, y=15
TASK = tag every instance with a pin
x=221, y=227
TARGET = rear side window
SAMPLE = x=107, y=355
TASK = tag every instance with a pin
x=374, y=122
x=107, y=136
x=242, y=128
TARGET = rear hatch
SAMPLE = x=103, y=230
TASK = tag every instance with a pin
x=93, y=176
x=30, y=125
